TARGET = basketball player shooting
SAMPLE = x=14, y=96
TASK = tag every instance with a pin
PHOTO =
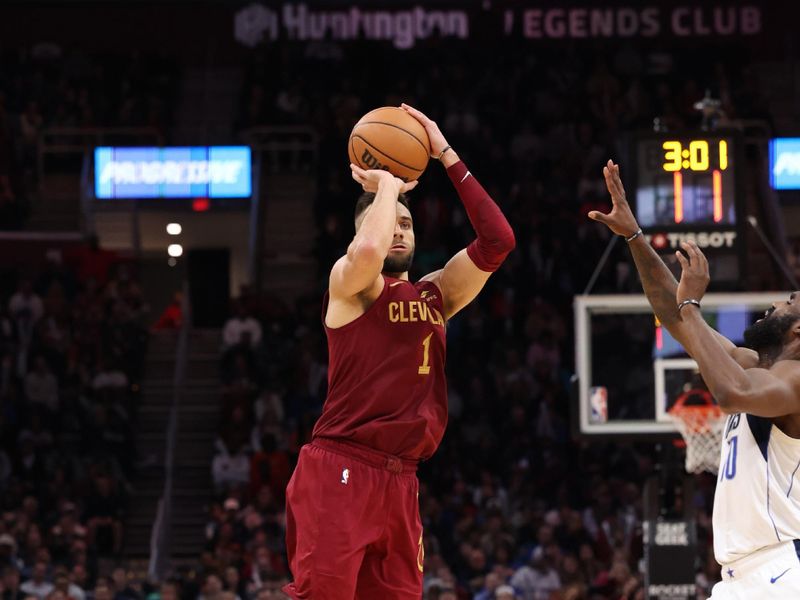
x=756, y=517
x=353, y=528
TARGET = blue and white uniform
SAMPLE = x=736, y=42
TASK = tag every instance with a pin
x=757, y=511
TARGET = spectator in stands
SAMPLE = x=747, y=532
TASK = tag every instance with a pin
x=63, y=584
x=231, y=465
x=269, y=468
x=172, y=317
x=538, y=580
x=25, y=305
x=125, y=585
x=79, y=577
x=25, y=309
x=41, y=388
x=104, y=511
x=38, y=584
x=10, y=582
x=103, y=590
x=212, y=588
x=169, y=590
x=506, y=592
x=234, y=583
x=241, y=330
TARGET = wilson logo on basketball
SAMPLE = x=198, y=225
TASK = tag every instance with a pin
x=373, y=163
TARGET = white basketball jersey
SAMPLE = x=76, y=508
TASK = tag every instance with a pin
x=757, y=501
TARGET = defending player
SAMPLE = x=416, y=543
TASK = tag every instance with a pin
x=353, y=525
x=756, y=517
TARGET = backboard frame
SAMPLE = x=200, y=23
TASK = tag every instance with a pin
x=661, y=427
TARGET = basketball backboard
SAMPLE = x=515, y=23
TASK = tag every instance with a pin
x=630, y=370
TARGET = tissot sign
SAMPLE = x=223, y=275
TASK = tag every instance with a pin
x=404, y=27
x=703, y=239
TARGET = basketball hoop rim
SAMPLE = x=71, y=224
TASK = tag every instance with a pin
x=712, y=410
x=696, y=418
x=709, y=407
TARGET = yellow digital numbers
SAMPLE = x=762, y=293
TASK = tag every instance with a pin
x=672, y=155
x=694, y=158
x=698, y=155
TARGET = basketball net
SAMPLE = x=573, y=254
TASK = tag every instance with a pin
x=701, y=427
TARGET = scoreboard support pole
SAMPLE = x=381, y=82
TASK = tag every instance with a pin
x=669, y=530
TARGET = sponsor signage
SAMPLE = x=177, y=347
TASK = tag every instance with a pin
x=172, y=172
x=784, y=163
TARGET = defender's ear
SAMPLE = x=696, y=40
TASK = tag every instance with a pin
x=796, y=328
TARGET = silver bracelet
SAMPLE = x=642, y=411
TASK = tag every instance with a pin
x=688, y=301
x=441, y=154
x=634, y=236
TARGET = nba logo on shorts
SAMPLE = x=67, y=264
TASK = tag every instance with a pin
x=598, y=401
x=345, y=476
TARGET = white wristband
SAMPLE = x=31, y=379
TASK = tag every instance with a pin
x=688, y=301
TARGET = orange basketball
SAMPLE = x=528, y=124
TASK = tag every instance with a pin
x=391, y=139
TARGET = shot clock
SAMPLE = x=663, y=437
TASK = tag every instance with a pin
x=686, y=187
x=686, y=181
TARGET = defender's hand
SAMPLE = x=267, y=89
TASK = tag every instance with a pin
x=369, y=179
x=620, y=220
x=438, y=143
x=694, y=273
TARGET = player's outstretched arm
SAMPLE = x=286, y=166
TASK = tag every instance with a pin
x=464, y=275
x=361, y=267
x=773, y=392
x=659, y=285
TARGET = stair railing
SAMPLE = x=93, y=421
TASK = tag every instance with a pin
x=160, y=538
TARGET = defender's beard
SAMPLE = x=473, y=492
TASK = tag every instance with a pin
x=767, y=336
x=398, y=263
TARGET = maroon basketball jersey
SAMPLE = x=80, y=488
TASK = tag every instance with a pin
x=386, y=383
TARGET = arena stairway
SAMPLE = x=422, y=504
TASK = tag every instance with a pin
x=197, y=422
x=198, y=419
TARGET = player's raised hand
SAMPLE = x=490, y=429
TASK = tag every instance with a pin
x=694, y=273
x=435, y=135
x=369, y=179
x=620, y=220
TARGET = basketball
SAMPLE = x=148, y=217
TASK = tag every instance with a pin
x=391, y=139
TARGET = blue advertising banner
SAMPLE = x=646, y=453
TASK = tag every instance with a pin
x=172, y=172
x=784, y=163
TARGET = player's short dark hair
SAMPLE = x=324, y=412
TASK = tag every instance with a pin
x=367, y=198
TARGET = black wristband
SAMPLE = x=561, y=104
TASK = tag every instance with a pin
x=634, y=236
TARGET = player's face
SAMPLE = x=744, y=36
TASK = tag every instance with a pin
x=401, y=254
x=784, y=307
x=769, y=332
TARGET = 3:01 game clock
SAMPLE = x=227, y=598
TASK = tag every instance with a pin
x=685, y=181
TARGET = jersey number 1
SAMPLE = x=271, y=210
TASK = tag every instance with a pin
x=425, y=367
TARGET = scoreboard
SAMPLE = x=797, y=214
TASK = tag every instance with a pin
x=687, y=186
x=686, y=181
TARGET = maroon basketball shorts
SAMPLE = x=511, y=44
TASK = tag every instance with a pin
x=352, y=525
